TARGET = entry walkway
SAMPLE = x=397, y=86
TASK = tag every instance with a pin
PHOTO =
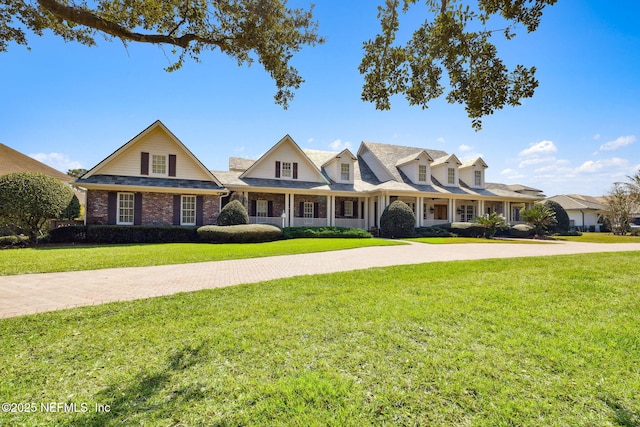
x=35, y=293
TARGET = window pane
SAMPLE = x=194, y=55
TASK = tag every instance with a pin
x=125, y=208
x=348, y=208
x=451, y=178
x=308, y=210
x=478, y=177
x=286, y=169
x=262, y=208
x=188, y=210
x=344, y=171
x=159, y=164
x=422, y=173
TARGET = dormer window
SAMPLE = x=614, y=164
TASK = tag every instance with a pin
x=286, y=169
x=158, y=164
x=478, y=178
x=451, y=176
x=345, y=171
x=422, y=173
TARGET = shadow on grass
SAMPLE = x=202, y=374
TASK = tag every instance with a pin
x=150, y=395
x=623, y=416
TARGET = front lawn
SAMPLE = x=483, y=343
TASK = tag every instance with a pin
x=600, y=238
x=548, y=341
x=73, y=258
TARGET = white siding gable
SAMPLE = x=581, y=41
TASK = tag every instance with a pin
x=334, y=167
x=285, y=151
x=440, y=171
x=468, y=173
x=411, y=169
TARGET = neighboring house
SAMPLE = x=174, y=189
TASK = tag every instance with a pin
x=154, y=179
x=585, y=212
x=151, y=180
x=14, y=161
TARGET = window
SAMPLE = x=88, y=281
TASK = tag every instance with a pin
x=478, y=178
x=348, y=208
x=125, y=208
x=188, y=215
x=262, y=208
x=308, y=212
x=422, y=173
x=451, y=176
x=345, y=174
x=466, y=213
x=286, y=169
x=159, y=164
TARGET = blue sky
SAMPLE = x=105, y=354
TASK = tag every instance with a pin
x=71, y=106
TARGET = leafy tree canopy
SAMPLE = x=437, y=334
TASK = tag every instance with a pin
x=245, y=30
x=454, y=39
x=76, y=173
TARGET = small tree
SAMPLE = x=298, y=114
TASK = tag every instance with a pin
x=540, y=217
x=234, y=213
x=562, y=218
x=397, y=220
x=491, y=222
x=620, y=203
x=72, y=211
x=29, y=199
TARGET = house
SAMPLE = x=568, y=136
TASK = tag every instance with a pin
x=154, y=179
x=151, y=180
x=585, y=212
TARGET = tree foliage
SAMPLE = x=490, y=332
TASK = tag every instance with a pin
x=621, y=202
x=245, y=30
x=397, y=220
x=233, y=213
x=72, y=211
x=76, y=173
x=491, y=223
x=454, y=39
x=562, y=218
x=29, y=199
x=541, y=217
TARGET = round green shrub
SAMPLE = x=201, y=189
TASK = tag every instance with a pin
x=234, y=213
x=562, y=218
x=242, y=233
x=521, y=231
x=397, y=221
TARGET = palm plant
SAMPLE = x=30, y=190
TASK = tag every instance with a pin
x=540, y=217
x=491, y=222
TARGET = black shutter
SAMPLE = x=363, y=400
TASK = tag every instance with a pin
x=301, y=212
x=253, y=208
x=316, y=210
x=199, y=210
x=177, y=202
x=172, y=165
x=355, y=209
x=277, y=169
x=341, y=212
x=112, y=207
x=270, y=208
x=295, y=170
x=144, y=163
x=137, y=209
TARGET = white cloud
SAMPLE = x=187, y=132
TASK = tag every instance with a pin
x=536, y=161
x=310, y=141
x=339, y=145
x=464, y=148
x=542, y=147
x=441, y=140
x=622, y=141
x=597, y=136
x=59, y=161
x=590, y=166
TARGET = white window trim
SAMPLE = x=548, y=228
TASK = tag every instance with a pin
x=262, y=208
x=348, y=208
x=451, y=179
x=308, y=212
x=425, y=173
x=344, y=166
x=133, y=208
x=289, y=170
x=166, y=164
x=182, y=210
x=477, y=178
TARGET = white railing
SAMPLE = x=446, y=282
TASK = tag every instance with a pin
x=273, y=220
x=350, y=223
x=309, y=222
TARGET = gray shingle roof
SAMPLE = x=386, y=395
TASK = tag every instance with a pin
x=577, y=202
x=152, y=182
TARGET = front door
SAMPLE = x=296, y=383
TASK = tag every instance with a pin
x=440, y=212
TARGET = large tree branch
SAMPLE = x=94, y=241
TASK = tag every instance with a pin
x=85, y=17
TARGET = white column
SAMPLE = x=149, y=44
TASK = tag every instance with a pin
x=419, y=211
x=286, y=210
x=365, y=214
x=292, y=210
x=505, y=209
x=331, y=210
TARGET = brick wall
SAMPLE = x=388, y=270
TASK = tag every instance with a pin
x=277, y=199
x=96, y=207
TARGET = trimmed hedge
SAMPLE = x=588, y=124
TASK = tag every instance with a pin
x=435, y=231
x=123, y=234
x=467, y=229
x=233, y=213
x=325, y=232
x=244, y=233
x=13, y=240
x=521, y=231
x=397, y=221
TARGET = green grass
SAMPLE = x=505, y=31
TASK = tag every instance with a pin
x=600, y=238
x=547, y=341
x=74, y=258
x=451, y=240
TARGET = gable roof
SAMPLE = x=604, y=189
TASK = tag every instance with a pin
x=472, y=162
x=410, y=158
x=285, y=140
x=389, y=155
x=14, y=161
x=577, y=202
x=136, y=139
x=444, y=159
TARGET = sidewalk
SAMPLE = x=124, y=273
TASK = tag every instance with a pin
x=35, y=293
